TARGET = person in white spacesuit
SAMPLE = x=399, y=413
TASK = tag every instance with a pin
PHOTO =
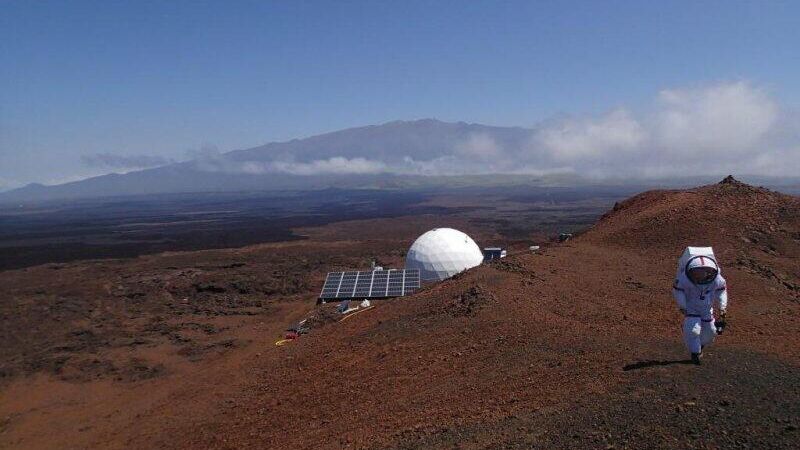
x=699, y=286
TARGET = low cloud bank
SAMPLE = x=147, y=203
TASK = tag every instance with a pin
x=710, y=130
x=213, y=161
x=335, y=165
x=727, y=127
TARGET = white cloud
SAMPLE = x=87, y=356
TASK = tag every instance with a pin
x=480, y=146
x=728, y=117
x=442, y=165
x=728, y=127
x=720, y=128
x=711, y=130
x=574, y=139
x=338, y=165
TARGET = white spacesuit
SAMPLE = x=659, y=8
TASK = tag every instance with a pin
x=698, y=286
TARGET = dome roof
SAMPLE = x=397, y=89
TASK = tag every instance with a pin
x=443, y=252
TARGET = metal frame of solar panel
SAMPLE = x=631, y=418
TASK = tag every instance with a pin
x=369, y=284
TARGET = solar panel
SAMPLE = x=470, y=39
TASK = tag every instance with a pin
x=370, y=284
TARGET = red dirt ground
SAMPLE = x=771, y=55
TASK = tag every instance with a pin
x=577, y=346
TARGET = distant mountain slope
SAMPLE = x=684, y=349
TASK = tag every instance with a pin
x=392, y=142
x=351, y=158
x=397, y=154
x=175, y=178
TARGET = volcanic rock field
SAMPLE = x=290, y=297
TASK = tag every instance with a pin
x=575, y=346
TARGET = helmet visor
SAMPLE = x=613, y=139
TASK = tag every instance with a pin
x=702, y=275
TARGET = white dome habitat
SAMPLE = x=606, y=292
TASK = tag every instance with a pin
x=443, y=252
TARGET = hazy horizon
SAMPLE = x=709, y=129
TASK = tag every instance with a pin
x=651, y=91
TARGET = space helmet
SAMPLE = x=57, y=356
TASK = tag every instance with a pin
x=702, y=269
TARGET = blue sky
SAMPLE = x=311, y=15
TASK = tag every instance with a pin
x=161, y=79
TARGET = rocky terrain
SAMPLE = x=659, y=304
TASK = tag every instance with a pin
x=577, y=346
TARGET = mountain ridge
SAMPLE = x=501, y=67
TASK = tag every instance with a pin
x=397, y=154
x=244, y=169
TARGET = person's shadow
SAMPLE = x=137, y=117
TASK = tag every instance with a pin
x=654, y=363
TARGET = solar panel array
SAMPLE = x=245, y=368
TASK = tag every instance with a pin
x=370, y=284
